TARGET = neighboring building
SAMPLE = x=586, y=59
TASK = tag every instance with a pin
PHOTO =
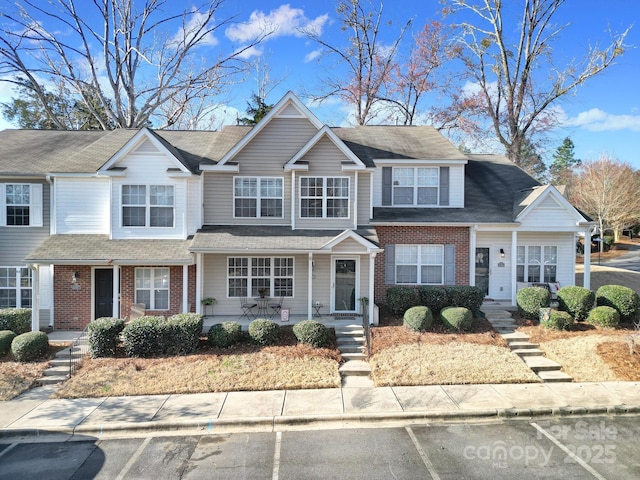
x=93, y=222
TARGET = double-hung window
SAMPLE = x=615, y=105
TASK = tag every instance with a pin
x=249, y=276
x=537, y=264
x=20, y=205
x=15, y=287
x=416, y=186
x=147, y=206
x=152, y=288
x=258, y=197
x=324, y=197
x=419, y=264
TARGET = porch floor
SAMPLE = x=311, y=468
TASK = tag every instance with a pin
x=328, y=320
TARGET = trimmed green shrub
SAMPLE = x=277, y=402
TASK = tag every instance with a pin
x=436, y=298
x=6, y=337
x=224, y=334
x=623, y=299
x=30, y=346
x=558, y=320
x=466, y=296
x=182, y=333
x=604, y=316
x=312, y=333
x=401, y=299
x=18, y=320
x=418, y=318
x=104, y=334
x=264, y=331
x=457, y=318
x=144, y=336
x=530, y=300
x=577, y=301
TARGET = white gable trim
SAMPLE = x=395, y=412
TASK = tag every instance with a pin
x=138, y=138
x=325, y=131
x=276, y=111
x=350, y=234
x=550, y=190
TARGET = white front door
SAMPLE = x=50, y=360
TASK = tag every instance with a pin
x=345, y=284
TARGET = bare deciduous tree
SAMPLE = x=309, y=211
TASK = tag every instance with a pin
x=122, y=52
x=517, y=78
x=607, y=190
x=368, y=60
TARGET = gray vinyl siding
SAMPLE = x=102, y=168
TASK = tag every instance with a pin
x=264, y=156
x=17, y=242
x=364, y=198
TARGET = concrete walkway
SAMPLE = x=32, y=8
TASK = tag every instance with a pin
x=33, y=413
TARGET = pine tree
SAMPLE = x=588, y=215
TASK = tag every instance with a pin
x=564, y=162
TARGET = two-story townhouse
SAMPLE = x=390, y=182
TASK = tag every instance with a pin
x=311, y=217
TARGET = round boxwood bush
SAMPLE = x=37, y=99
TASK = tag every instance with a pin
x=145, y=336
x=623, y=299
x=418, y=318
x=436, y=298
x=6, y=337
x=223, y=335
x=104, y=335
x=466, y=296
x=18, y=320
x=312, y=333
x=182, y=333
x=401, y=299
x=457, y=318
x=577, y=301
x=604, y=316
x=30, y=346
x=530, y=300
x=264, y=331
x=558, y=320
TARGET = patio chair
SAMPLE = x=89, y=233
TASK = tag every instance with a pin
x=247, y=305
x=275, y=307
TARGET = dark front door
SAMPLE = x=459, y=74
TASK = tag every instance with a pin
x=103, y=292
x=482, y=269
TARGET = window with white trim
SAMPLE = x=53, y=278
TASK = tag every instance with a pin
x=419, y=264
x=15, y=287
x=258, y=197
x=324, y=197
x=416, y=186
x=21, y=205
x=152, y=287
x=537, y=264
x=148, y=206
x=248, y=276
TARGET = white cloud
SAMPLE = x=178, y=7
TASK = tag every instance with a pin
x=596, y=120
x=311, y=56
x=252, y=51
x=283, y=21
x=191, y=28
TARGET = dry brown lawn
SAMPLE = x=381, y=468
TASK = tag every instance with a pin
x=286, y=365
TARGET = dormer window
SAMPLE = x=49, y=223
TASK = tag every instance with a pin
x=147, y=206
x=415, y=186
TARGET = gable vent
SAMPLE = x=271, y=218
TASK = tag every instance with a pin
x=146, y=147
x=290, y=111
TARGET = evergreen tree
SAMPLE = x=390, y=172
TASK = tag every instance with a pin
x=256, y=110
x=564, y=163
x=531, y=161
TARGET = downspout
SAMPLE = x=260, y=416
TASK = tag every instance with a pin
x=372, y=263
x=310, y=287
x=199, y=274
x=116, y=291
x=293, y=199
x=355, y=200
x=586, y=276
x=185, y=288
x=514, y=266
x=472, y=252
x=35, y=304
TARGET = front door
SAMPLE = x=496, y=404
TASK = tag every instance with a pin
x=482, y=269
x=344, y=284
x=103, y=292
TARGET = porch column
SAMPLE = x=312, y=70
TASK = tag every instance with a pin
x=586, y=276
x=372, y=279
x=185, y=288
x=472, y=253
x=199, y=274
x=310, y=287
x=514, y=266
x=35, y=302
x=116, y=291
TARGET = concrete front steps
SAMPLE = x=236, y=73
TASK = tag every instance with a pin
x=530, y=353
x=58, y=370
x=355, y=371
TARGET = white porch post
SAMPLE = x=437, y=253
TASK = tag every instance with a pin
x=472, y=252
x=116, y=291
x=199, y=274
x=185, y=288
x=35, y=303
x=514, y=266
x=310, y=287
x=372, y=279
x=586, y=276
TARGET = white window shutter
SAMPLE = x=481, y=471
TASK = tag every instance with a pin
x=3, y=206
x=35, y=206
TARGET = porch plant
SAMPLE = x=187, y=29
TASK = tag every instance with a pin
x=207, y=302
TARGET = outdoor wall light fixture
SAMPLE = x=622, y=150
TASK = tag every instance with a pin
x=74, y=278
x=502, y=252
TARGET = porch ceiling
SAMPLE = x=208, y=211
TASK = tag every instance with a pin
x=100, y=250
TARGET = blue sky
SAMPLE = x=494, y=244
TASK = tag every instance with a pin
x=603, y=117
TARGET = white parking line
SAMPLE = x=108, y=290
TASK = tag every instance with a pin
x=132, y=460
x=423, y=454
x=276, y=456
x=569, y=453
x=6, y=450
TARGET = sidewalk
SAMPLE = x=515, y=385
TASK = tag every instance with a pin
x=33, y=413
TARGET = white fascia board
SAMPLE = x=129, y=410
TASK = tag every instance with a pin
x=229, y=168
x=413, y=161
x=326, y=131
